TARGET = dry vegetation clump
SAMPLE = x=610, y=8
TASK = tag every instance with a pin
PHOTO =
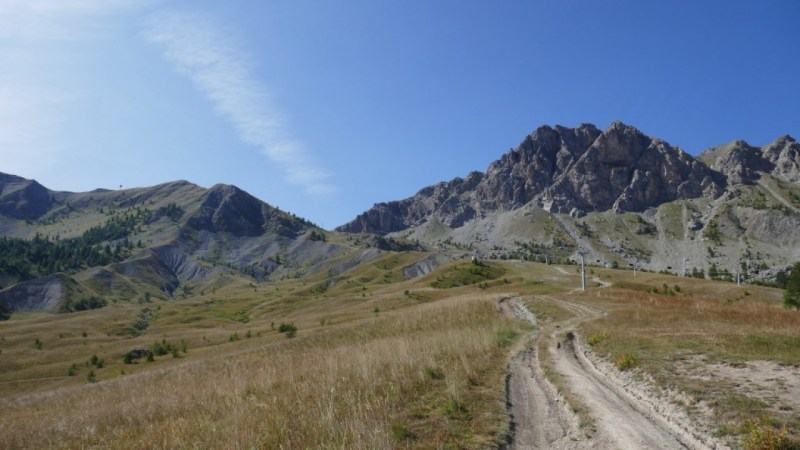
x=423, y=377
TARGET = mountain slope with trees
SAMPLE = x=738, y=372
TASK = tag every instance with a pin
x=61, y=250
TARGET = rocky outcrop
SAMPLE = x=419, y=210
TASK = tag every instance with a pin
x=522, y=174
x=229, y=209
x=625, y=170
x=23, y=199
x=563, y=170
x=738, y=161
x=741, y=162
x=784, y=154
x=40, y=294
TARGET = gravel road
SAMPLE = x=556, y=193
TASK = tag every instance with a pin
x=624, y=416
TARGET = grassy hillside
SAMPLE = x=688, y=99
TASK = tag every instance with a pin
x=364, y=358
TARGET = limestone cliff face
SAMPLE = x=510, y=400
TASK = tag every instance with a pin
x=784, y=153
x=523, y=174
x=741, y=162
x=738, y=161
x=563, y=170
x=625, y=170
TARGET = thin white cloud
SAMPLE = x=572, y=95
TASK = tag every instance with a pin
x=35, y=36
x=58, y=20
x=206, y=53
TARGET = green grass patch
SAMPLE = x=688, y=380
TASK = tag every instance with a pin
x=546, y=310
x=506, y=338
x=464, y=274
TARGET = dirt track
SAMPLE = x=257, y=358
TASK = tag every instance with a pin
x=625, y=417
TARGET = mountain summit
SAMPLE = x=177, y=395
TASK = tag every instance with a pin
x=562, y=170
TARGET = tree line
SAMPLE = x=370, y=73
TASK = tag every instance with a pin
x=26, y=259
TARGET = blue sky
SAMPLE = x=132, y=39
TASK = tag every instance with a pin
x=324, y=108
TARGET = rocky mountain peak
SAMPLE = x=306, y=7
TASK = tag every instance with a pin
x=739, y=161
x=626, y=170
x=744, y=163
x=563, y=170
x=226, y=208
x=784, y=153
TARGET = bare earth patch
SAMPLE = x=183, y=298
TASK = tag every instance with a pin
x=774, y=386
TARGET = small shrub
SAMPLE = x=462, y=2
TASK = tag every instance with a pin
x=434, y=373
x=400, y=432
x=452, y=407
x=91, y=377
x=37, y=344
x=760, y=435
x=135, y=354
x=625, y=361
x=597, y=338
x=73, y=370
x=162, y=348
x=289, y=329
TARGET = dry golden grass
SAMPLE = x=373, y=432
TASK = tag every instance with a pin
x=424, y=377
x=375, y=364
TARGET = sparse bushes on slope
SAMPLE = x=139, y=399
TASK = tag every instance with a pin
x=289, y=329
x=83, y=304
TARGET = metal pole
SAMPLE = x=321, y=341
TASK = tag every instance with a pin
x=583, y=274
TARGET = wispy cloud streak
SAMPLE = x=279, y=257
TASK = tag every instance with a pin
x=205, y=52
x=59, y=20
x=35, y=36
